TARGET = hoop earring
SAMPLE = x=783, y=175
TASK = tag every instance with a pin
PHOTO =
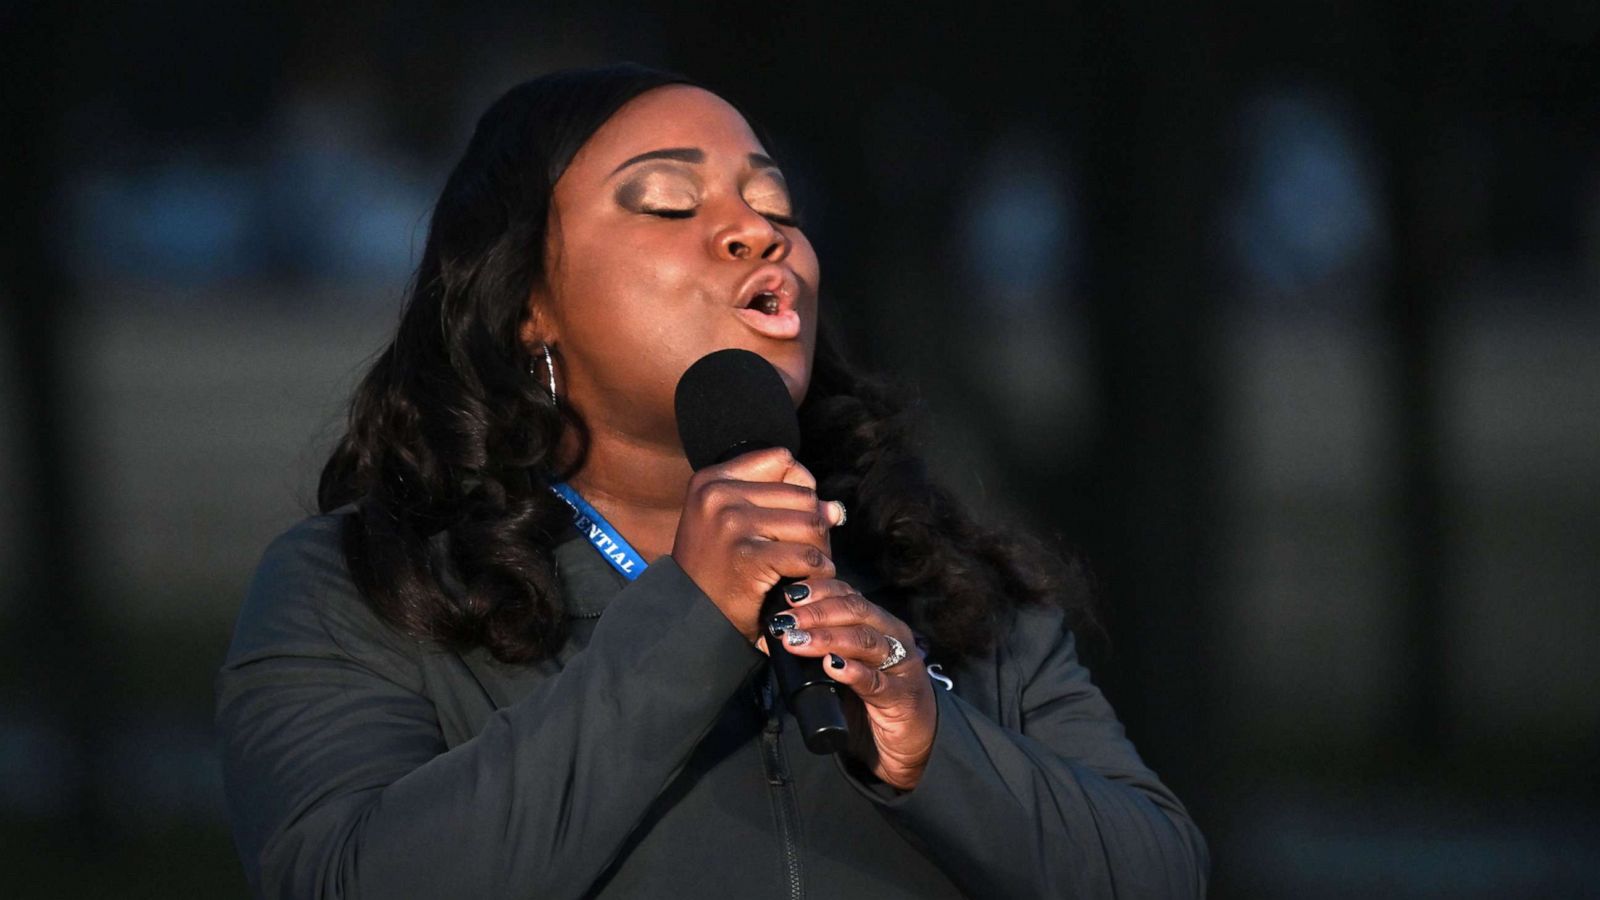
x=550, y=366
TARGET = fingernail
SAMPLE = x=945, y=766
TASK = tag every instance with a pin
x=835, y=660
x=780, y=623
x=796, y=592
x=796, y=637
x=842, y=516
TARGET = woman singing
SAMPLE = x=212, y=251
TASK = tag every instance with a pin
x=442, y=687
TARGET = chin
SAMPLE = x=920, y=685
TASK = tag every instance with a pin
x=797, y=385
x=793, y=365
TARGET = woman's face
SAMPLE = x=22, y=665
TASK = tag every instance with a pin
x=669, y=223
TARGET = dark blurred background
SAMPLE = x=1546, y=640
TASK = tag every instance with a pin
x=1283, y=314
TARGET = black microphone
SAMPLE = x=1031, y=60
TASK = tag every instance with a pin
x=729, y=403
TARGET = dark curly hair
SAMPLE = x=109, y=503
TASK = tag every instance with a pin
x=448, y=433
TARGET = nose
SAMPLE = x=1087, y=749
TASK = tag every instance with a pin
x=748, y=234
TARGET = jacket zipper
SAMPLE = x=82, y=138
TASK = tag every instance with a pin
x=782, y=786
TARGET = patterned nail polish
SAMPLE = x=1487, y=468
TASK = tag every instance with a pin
x=797, y=637
x=835, y=660
x=796, y=592
x=780, y=623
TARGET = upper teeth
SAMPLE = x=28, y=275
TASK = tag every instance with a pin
x=766, y=301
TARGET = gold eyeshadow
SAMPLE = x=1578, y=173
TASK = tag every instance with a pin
x=665, y=187
x=641, y=192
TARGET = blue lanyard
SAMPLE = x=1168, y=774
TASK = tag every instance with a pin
x=605, y=538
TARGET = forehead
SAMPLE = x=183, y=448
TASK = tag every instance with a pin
x=671, y=116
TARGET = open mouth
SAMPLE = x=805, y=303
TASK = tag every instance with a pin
x=769, y=298
x=766, y=302
x=768, y=313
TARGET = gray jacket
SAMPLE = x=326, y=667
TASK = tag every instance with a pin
x=643, y=760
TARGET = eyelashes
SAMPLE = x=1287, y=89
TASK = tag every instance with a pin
x=789, y=221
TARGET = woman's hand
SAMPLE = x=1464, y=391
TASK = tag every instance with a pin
x=900, y=710
x=748, y=523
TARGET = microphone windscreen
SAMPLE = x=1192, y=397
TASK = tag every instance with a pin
x=731, y=402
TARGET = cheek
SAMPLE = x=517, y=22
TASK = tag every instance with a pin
x=635, y=307
x=622, y=276
x=656, y=278
x=804, y=260
x=805, y=266
x=624, y=293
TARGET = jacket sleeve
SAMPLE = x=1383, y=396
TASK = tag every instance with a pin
x=1062, y=808
x=338, y=778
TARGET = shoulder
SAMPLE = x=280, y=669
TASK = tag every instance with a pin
x=1035, y=648
x=310, y=551
x=1032, y=632
x=303, y=601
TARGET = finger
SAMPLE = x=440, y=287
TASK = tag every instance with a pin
x=774, y=464
x=808, y=527
x=815, y=589
x=858, y=642
x=871, y=685
x=835, y=512
x=770, y=561
x=846, y=608
x=766, y=495
x=800, y=475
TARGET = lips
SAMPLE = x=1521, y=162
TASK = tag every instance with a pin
x=766, y=303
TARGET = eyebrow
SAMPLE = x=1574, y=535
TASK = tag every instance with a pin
x=692, y=155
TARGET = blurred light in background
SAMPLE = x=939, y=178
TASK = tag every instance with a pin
x=1307, y=223
x=1025, y=344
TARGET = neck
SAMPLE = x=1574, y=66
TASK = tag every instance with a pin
x=639, y=487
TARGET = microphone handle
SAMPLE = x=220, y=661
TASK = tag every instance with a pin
x=808, y=692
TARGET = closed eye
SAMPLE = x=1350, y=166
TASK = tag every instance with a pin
x=669, y=213
x=789, y=221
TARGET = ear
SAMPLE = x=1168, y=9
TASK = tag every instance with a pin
x=538, y=325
